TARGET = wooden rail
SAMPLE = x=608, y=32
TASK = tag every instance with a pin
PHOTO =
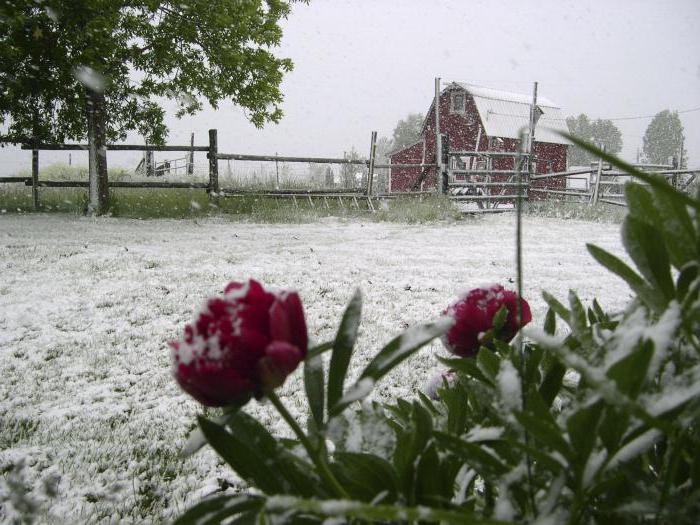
x=25, y=180
x=112, y=147
x=277, y=158
x=119, y=184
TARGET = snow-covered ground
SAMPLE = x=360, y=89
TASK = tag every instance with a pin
x=87, y=306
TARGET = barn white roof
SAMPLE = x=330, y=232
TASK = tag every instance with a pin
x=505, y=114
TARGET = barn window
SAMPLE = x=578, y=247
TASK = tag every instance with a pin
x=458, y=102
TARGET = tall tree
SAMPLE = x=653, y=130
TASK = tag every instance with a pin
x=605, y=133
x=601, y=132
x=664, y=138
x=407, y=131
x=581, y=127
x=61, y=59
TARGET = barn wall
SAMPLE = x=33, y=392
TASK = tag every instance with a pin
x=402, y=178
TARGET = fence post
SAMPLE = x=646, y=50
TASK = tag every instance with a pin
x=372, y=153
x=213, y=163
x=438, y=140
x=190, y=158
x=149, y=164
x=597, y=180
x=35, y=179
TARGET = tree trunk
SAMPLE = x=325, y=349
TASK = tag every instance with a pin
x=99, y=186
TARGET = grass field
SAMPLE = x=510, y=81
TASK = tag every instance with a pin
x=88, y=409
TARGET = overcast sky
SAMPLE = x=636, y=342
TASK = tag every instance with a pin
x=361, y=65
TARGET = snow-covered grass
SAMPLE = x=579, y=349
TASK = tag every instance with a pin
x=87, y=403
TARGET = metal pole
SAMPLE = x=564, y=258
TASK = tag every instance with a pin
x=438, y=139
x=372, y=153
x=531, y=134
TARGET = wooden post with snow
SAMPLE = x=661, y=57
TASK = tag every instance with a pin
x=213, y=163
x=190, y=157
x=35, y=179
x=438, y=140
x=596, y=191
x=370, y=170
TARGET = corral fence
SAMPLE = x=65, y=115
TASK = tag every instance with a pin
x=603, y=183
x=468, y=178
x=358, y=193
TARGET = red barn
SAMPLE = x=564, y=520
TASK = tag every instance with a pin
x=477, y=119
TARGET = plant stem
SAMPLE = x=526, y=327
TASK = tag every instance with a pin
x=317, y=459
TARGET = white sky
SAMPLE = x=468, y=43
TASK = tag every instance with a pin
x=361, y=65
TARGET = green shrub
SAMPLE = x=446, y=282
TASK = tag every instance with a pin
x=594, y=424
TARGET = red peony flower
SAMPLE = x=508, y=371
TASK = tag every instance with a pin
x=474, y=313
x=242, y=343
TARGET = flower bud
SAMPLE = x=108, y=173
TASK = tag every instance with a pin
x=474, y=317
x=240, y=344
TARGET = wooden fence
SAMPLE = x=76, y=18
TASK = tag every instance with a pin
x=353, y=196
x=489, y=189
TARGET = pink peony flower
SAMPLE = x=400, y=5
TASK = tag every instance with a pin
x=242, y=343
x=474, y=313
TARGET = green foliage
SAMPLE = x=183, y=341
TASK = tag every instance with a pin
x=663, y=139
x=601, y=132
x=597, y=423
x=54, y=52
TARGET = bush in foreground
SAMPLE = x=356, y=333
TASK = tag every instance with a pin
x=596, y=426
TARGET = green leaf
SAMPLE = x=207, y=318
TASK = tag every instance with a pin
x=410, y=442
x=499, y=319
x=242, y=457
x=365, y=475
x=640, y=203
x=578, y=322
x=485, y=463
x=313, y=383
x=645, y=245
x=602, y=316
x=342, y=349
x=555, y=305
x=213, y=510
x=455, y=400
x=582, y=427
x=679, y=231
x=297, y=473
x=370, y=512
x=687, y=275
x=550, y=322
x=630, y=372
x=397, y=350
x=488, y=362
x=404, y=346
x=635, y=282
x=466, y=366
x=613, y=427
x=319, y=349
x=428, y=404
x=533, y=358
x=551, y=384
x=433, y=483
x=544, y=432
